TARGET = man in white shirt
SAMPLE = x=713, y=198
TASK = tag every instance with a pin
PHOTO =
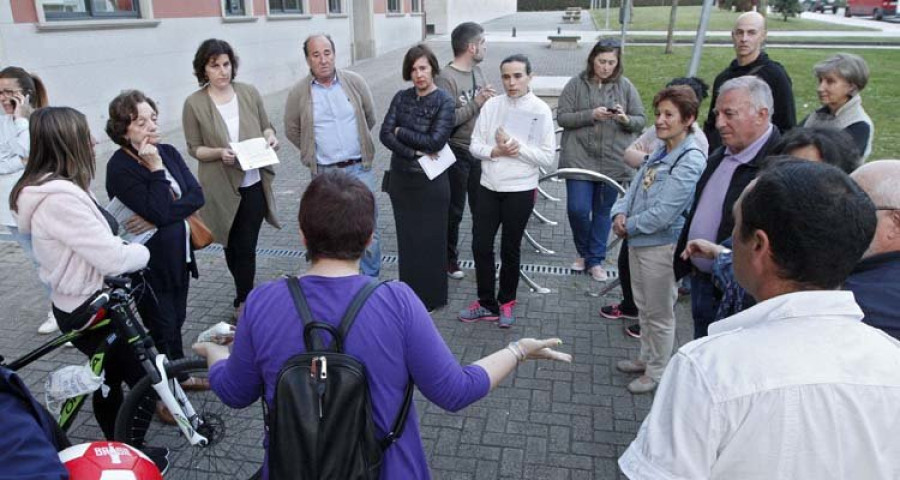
x=796, y=387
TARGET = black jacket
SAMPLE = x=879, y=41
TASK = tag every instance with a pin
x=149, y=195
x=769, y=71
x=425, y=124
x=743, y=175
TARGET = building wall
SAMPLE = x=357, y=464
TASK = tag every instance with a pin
x=85, y=69
x=447, y=14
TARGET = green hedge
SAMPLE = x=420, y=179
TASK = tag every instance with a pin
x=542, y=5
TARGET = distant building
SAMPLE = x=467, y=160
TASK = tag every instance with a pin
x=443, y=15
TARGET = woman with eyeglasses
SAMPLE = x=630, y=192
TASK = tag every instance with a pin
x=20, y=94
x=601, y=114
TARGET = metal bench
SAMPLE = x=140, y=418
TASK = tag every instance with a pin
x=564, y=42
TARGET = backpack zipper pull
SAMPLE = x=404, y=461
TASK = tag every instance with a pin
x=322, y=364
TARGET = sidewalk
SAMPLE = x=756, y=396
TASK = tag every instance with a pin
x=547, y=421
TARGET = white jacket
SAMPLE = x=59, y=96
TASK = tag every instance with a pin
x=72, y=242
x=508, y=174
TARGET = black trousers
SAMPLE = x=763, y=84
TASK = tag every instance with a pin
x=240, y=254
x=510, y=210
x=120, y=365
x=627, y=305
x=163, y=310
x=420, y=215
x=465, y=179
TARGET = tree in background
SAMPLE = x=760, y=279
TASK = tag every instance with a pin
x=670, y=36
x=787, y=8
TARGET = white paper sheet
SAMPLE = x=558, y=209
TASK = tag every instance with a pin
x=435, y=167
x=254, y=153
x=122, y=213
x=524, y=127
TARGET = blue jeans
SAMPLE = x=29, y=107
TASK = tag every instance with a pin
x=370, y=263
x=588, y=204
x=24, y=240
x=704, y=303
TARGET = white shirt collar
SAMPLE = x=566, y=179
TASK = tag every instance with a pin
x=824, y=303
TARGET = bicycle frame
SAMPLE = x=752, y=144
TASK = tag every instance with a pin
x=121, y=313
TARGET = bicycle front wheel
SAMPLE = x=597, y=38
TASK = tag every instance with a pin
x=235, y=449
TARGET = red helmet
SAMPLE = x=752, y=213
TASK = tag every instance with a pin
x=108, y=461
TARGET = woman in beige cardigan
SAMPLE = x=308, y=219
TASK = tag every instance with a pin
x=224, y=111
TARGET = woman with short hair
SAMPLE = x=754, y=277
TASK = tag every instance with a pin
x=419, y=123
x=841, y=79
x=220, y=112
x=601, y=113
x=152, y=180
x=651, y=216
x=393, y=335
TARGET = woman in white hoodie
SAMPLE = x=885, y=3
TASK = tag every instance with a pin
x=513, y=138
x=73, y=239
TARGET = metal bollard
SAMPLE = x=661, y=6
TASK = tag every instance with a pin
x=514, y=32
x=558, y=30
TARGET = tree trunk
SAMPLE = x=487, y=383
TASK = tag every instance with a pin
x=670, y=36
x=762, y=7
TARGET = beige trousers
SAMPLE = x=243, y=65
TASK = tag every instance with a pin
x=655, y=294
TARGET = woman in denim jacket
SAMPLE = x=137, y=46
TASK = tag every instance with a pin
x=651, y=216
x=419, y=123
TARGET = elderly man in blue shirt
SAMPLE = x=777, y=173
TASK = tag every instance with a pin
x=328, y=116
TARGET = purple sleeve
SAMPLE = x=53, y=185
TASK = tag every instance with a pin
x=237, y=380
x=434, y=369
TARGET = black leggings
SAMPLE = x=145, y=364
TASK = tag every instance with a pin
x=627, y=306
x=240, y=254
x=119, y=364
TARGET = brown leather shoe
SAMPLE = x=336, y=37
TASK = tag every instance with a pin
x=195, y=384
x=164, y=415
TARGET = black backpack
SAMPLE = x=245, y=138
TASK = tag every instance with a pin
x=321, y=425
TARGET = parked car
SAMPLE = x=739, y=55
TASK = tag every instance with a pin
x=876, y=8
x=822, y=6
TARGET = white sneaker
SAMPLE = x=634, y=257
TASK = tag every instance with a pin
x=598, y=273
x=578, y=265
x=49, y=325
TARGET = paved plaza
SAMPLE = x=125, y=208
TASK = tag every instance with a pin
x=546, y=421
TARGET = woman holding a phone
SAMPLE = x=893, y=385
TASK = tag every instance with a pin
x=601, y=113
x=220, y=112
x=20, y=94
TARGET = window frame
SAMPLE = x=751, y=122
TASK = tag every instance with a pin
x=302, y=8
x=415, y=6
x=228, y=12
x=340, y=5
x=387, y=6
x=89, y=14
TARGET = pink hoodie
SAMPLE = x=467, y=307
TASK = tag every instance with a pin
x=73, y=242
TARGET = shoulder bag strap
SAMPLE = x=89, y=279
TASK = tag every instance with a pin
x=303, y=310
x=675, y=163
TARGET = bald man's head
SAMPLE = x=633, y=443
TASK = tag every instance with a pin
x=748, y=36
x=879, y=180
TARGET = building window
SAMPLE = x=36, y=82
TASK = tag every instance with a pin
x=80, y=9
x=416, y=6
x=285, y=6
x=334, y=6
x=234, y=7
x=394, y=6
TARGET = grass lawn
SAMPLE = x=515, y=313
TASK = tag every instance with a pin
x=649, y=69
x=861, y=42
x=657, y=18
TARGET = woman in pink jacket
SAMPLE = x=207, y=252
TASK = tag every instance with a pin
x=74, y=239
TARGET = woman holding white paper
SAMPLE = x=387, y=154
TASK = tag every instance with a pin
x=513, y=138
x=237, y=201
x=418, y=124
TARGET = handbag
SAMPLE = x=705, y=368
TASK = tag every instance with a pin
x=201, y=235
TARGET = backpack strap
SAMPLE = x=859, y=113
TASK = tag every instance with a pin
x=400, y=421
x=313, y=342
x=356, y=305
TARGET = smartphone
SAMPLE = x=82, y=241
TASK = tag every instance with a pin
x=614, y=110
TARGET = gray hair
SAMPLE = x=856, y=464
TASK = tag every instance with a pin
x=315, y=35
x=848, y=66
x=760, y=93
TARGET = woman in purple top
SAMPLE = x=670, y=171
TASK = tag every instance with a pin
x=393, y=335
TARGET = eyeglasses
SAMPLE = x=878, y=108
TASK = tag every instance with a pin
x=10, y=93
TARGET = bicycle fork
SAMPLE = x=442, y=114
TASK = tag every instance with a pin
x=173, y=397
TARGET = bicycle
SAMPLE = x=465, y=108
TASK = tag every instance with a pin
x=209, y=439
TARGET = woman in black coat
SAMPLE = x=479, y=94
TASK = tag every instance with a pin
x=152, y=180
x=419, y=123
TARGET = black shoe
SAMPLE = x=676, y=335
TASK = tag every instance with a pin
x=633, y=330
x=159, y=455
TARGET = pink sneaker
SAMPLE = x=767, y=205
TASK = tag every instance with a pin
x=507, y=317
x=476, y=313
